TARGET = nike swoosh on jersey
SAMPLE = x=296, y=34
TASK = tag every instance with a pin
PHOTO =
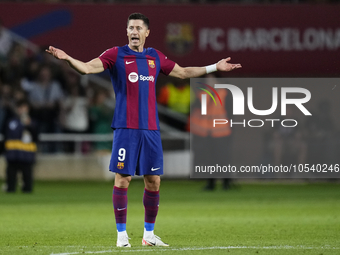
x=121, y=209
x=154, y=169
x=129, y=62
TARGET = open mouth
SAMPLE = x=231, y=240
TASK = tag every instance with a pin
x=134, y=39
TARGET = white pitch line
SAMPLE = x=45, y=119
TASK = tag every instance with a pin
x=127, y=250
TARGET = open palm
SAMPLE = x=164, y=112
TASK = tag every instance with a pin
x=57, y=53
x=224, y=66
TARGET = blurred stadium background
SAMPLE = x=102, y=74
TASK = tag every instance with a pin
x=269, y=38
x=70, y=209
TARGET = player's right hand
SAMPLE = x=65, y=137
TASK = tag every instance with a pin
x=57, y=53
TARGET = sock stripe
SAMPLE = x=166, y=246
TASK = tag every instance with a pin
x=149, y=226
x=119, y=191
x=119, y=200
x=151, y=203
x=151, y=193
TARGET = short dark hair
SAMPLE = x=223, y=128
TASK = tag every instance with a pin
x=140, y=16
x=21, y=102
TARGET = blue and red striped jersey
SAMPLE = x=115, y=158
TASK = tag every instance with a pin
x=133, y=75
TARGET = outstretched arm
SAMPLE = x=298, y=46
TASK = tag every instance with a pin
x=191, y=72
x=93, y=66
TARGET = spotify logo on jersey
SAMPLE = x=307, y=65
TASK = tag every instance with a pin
x=133, y=77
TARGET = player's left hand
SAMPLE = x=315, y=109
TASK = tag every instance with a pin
x=224, y=66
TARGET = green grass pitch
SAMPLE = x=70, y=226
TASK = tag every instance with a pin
x=77, y=218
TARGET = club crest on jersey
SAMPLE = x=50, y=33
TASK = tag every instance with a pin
x=120, y=165
x=151, y=63
x=133, y=77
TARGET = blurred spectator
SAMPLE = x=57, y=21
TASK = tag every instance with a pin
x=6, y=104
x=210, y=145
x=9, y=95
x=31, y=73
x=74, y=109
x=5, y=43
x=45, y=95
x=19, y=95
x=20, y=148
x=176, y=95
x=16, y=64
x=288, y=143
x=321, y=134
x=101, y=113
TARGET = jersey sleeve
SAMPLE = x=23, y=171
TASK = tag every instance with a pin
x=166, y=64
x=109, y=57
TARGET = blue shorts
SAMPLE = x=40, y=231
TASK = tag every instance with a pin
x=137, y=151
